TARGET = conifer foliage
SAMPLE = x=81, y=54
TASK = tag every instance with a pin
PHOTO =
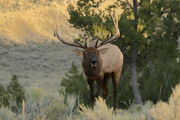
x=74, y=84
x=13, y=95
x=149, y=33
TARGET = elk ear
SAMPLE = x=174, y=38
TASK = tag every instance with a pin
x=103, y=50
x=78, y=52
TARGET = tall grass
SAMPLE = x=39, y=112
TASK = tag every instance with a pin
x=48, y=107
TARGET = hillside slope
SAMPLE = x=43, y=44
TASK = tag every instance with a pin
x=36, y=23
x=28, y=48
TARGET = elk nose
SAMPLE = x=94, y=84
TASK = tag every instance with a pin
x=94, y=61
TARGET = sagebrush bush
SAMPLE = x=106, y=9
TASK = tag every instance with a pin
x=38, y=107
x=170, y=110
x=102, y=112
x=7, y=114
x=148, y=111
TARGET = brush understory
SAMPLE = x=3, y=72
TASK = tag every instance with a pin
x=50, y=107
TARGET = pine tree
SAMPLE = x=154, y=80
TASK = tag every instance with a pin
x=74, y=84
x=17, y=92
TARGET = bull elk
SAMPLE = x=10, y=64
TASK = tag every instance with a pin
x=100, y=62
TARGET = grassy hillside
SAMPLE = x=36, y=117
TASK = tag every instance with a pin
x=27, y=45
x=23, y=21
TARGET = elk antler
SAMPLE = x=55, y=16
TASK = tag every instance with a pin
x=115, y=36
x=57, y=34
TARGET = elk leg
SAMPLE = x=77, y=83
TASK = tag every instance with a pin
x=91, y=86
x=104, y=87
x=98, y=87
x=115, y=80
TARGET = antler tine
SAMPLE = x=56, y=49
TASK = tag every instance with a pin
x=115, y=36
x=85, y=43
x=57, y=34
x=96, y=45
x=80, y=44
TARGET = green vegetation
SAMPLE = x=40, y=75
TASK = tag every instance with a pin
x=3, y=96
x=74, y=80
x=13, y=95
x=74, y=84
x=149, y=34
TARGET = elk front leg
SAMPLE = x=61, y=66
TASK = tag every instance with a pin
x=115, y=81
x=98, y=87
x=91, y=86
x=104, y=86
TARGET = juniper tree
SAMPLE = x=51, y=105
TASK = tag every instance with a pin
x=16, y=92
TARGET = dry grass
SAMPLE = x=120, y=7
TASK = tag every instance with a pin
x=160, y=111
x=30, y=24
x=23, y=21
x=52, y=108
x=170, y=110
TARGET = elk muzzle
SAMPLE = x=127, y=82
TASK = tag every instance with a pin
x=94, y=63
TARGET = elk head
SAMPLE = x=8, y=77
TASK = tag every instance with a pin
x=91, y=60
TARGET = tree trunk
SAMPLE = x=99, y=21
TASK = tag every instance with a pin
x=23, y=107
x=134, y=82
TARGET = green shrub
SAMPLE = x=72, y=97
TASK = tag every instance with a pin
x=13, y=95
x=17, y=93
x=4, y=95
x=158, y=79
x=74, y=84
x=36, y=93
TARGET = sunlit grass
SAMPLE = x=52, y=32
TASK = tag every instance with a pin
x=49, y=107
x=24, y=21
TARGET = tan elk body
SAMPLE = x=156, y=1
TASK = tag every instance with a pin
x=101, y=60
x=112, y=59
